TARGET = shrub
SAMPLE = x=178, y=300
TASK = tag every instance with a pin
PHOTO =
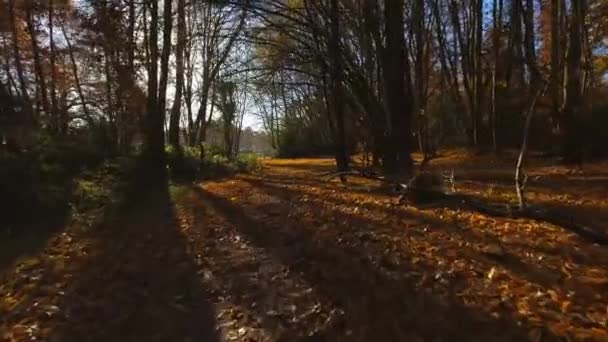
x=213, y=150
x=98, y=193
x=183, y=164
x=186, y=164
x=248, y=162
x=38, y=181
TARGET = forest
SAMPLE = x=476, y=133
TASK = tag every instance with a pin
x=304, y=170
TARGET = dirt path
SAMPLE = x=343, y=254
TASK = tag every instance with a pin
x=285, y=256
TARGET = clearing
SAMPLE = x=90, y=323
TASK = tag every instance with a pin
x=283, y=255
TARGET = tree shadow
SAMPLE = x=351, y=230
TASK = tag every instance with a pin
x=359, y=186
x=26, y=227
x=29, y=240
x=301, y=166
x=542, y=276
x=547, y=191
x=586, y=222
x=377, y=305
x=253, y=292
x=478, y=242
x=590, y=217
x=554, y=182
x=137, y=280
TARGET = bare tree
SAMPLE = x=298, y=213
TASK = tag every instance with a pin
x=219, y=30
x=40, y=76
x=336, y=84
x=17, y=54
x=497, y=7
x=574, y=85
x=75, y=74
x=179, y=74
x=398, y=96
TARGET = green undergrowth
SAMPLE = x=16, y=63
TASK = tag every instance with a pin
x=187, y=165
x=98, y=194
x=53, y=187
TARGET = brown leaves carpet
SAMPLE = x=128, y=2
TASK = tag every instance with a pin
x=282, y=255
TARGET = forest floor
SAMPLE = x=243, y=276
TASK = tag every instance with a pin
x=284, y=255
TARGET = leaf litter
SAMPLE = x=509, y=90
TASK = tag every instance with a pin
x=284, y=256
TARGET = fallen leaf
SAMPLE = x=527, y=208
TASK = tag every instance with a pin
x=553, y=295
x=492, y=273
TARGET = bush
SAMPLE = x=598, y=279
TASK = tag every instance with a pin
x=98, y=193
x=183, y=164
x=247, y=162
x=38, y=181
x=300, y=139
x=213, y=150
x=186, y=165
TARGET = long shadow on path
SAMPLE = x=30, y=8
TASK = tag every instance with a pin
x=140, y=283
x=376, y=306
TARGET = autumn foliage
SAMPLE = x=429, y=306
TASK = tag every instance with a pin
x=284, y=255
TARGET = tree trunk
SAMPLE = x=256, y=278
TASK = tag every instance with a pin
x=420, y=76
x=179, y=75
x=154, y=131
x=478, y=69
x=573, y=88
x=36, y=57
x=59, y=123
x=189, y=80
x=529, y=45
x=520, y=178
x=397, y=158
x=108, y=83
x=131, y=32
x=228, y=139
x=164, y=60
x=76, y=75
x=515, y=45
x=201, y=133
x=17, y=55
x=467, y=62
x=336, y=84
x=496, y=36
x=551, y=54
x=11, y=86
x=199, y=125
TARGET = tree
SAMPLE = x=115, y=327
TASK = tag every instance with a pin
x=17, y=54
x=154, y=129
x=336, y=87
x=40, y=75
x=497, y=7
x=574, y=86
x=179, y=74
x=226, y=104
x=220, y=28
x=335, y=77
x=398, y=94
